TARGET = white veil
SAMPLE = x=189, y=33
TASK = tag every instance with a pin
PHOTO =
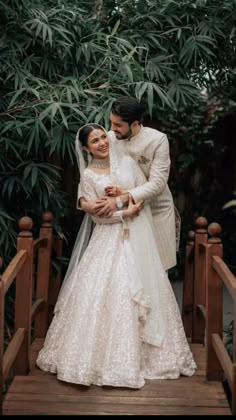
x=84, y=233
x=87, y=225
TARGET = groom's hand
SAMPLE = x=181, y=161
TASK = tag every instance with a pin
x=106, y=206
x=91, y=207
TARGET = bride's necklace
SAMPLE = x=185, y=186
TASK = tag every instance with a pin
x=100, y=163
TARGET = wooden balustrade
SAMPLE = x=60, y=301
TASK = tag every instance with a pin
x=202, y=307
x=199, y=290
x=187, y=302
x=36, y=293
x=214, y=301
x=32, y=296
x=43, y=275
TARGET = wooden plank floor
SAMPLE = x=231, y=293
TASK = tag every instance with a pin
x=41, y=393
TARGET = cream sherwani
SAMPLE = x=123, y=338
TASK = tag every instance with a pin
x=150, y=149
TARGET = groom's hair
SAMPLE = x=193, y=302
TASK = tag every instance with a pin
x=128, y=108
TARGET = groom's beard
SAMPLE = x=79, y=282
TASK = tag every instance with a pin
x=125, y=136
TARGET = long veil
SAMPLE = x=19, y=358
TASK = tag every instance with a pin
x=83, y=236
x=87, y=225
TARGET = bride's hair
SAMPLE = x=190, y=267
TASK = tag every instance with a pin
x=85, y=131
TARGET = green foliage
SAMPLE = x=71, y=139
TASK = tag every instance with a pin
x=200, y=146
x=62, y=63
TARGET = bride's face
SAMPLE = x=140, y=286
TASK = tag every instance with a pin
x=98, y=144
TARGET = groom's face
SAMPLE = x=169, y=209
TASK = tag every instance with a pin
x=122, y=129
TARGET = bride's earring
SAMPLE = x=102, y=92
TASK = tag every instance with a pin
x=89, y=157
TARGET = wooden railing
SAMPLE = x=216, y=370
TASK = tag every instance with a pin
x=202, y=307
x=35, y=292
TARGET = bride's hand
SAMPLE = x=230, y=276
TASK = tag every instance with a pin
x=133, y=209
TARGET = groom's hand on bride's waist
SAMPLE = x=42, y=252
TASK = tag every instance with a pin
x=106, y=206
x=91, y=207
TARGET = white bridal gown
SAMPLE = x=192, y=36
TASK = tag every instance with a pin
x=117, y=322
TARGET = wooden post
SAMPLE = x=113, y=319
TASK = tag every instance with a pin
x=199, y=288
x=43, y=274
x=214, y=303
x=187, y=305
x=23, y=295
x=55, y=283
x=2, y=322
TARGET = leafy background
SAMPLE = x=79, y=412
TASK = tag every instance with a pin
x=62, y=64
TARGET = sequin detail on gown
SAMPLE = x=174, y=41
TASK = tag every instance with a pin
x=96, y=336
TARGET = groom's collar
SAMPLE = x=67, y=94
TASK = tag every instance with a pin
x=133, y=136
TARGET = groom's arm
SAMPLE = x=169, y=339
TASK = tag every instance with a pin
x=91, y=207
x=158, y=176
x=155, y=185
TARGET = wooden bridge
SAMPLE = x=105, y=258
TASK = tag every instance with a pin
x=27, y=390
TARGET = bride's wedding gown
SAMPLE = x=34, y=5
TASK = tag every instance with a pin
x=118, y=322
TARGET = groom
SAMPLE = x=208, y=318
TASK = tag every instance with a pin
x=150, y=149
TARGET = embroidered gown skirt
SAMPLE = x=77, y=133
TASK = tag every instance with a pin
x=97, y=335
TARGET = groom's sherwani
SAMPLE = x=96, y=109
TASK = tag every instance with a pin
x=150, y=149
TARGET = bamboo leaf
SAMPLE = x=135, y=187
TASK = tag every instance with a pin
x=140, y=89
x=115, y=28
x=15, y=97
x=63, y=117
x=129, y=72
x=150, y=98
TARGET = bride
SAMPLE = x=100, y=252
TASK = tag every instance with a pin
x=116, y=321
